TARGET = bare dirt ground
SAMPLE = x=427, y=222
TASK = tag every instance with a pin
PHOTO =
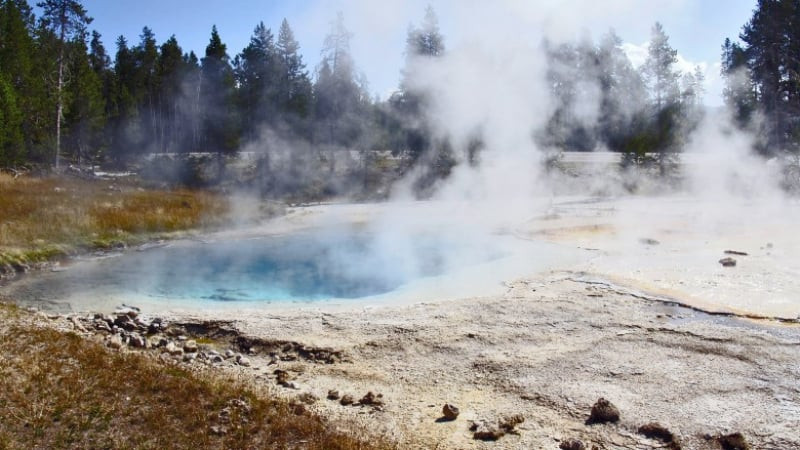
x=547, y=349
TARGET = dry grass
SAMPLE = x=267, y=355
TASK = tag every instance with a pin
x=59, y=390
x=42, y=218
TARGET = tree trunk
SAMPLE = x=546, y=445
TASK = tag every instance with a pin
x=59, y=102
x=59, y=89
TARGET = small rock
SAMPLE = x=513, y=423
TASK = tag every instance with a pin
x=572, y=444
x=101, y=325
x=216, y=359
x=142, y=326
x=229, y=354
x=735, y=252
x=137, y=340
x=189, y=357
x=333, y=394
x=347, y=399
x=154, y=327
x=649, y=241
x=244, y=362
x=76, y=323
x=282, y=377
x=450, y=412
x=307, y=398
x=603, y=411
x=173, y=349
x=219, y=430
x=114, y=341
x=485, y=431
x=371, y=399
x=225, y=415
x=158, y=341
x=509, y=423
x=190, y=346
x=655, y=430
x=728, y=262
x=130, y=311
x=125, y=322
x=733, y=441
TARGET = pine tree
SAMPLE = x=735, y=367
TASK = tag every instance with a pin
x=147, y=85
x=123, y=114
x=622, y=98
x=294, y=85
x=423, y=45
x=426, y=41
x=763, y=74
x=100, y=63
x=191, y=107
x=339, y=96
x=11, y=142
x=256, y=71
x=739, y=93
x=219, y=128
x=659, y=68
x=85, y=112
x=665, y=111
x=18, y=81
x=170, y=71
x=67, y=18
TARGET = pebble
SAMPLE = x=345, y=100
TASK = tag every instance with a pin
x=450, y=412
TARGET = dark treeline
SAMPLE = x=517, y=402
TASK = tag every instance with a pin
x=762, y=73
x=65, y=96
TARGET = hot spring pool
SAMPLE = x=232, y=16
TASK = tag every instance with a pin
x=300, y=267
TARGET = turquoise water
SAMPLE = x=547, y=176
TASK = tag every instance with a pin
x=302, y=267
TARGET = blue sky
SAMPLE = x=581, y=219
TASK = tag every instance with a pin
x=696, y=27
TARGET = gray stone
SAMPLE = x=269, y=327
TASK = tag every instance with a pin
x=728, y=262
x=130, y=311
x=173, y=349
x=190, y=346
x=158, y=341
x=137, y=340
x=125, y=322
x=101, y=325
